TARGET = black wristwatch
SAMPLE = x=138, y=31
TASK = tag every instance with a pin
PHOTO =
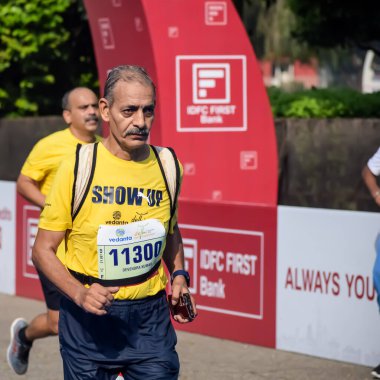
x=180, y=272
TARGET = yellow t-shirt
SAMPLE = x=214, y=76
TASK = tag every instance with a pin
x=121, y=193
x=46, y=156
x=44, y=159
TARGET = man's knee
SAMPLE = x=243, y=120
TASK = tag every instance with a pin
x=52, y=319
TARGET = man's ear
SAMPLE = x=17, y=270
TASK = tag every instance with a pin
x=66, y=114
x=104, y=109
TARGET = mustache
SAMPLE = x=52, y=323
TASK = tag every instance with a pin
x=136, y=131
x=92, y=118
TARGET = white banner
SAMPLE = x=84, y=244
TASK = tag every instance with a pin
x=7, y=237
x=326, y=303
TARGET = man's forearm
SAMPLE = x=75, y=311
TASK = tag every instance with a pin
x=174, y=255
x=371, y=182
x=30, y=190
x=45, y=259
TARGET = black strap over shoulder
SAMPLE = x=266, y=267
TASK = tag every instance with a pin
x=75, y=176
x=173, y=197
x=80, y=173
x=178, y=174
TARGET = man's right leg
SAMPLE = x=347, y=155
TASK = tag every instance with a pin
x=43, y=325
x=80, y=369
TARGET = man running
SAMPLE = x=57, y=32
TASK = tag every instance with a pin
x=114, y=320
x=81, y=114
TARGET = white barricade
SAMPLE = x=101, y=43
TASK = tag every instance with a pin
x=326, y=304
x=7, y=237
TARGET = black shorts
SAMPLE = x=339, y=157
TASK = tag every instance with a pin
x=51, y=293
x=135, y=338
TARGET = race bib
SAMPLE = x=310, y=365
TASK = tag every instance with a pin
x=129, y=250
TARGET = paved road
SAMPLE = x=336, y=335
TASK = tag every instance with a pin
x=202, y=358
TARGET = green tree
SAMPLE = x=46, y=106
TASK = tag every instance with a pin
x=338, y=23
x=328, y=31
x=269, y=26
x=45, y=49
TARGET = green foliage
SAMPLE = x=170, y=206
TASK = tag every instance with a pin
x=335, y=34
x=269, y=25
x=44, y=51
x=328, y=24
x=324, y=103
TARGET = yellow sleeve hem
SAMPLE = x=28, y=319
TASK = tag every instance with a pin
x=54, y=226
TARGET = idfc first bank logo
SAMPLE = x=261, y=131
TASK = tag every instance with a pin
x=211, y=93
x=223, y=265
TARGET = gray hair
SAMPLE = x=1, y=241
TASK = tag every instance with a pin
x=126, y=73
x=65, y=100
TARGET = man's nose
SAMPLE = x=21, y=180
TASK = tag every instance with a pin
x=139, y=119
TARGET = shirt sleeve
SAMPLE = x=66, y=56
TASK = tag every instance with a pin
x=374, y=163
x=36, y=166
x=175, y=216
x=56, y=215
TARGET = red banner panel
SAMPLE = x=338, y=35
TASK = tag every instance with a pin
x=27, y=281
x=212, y=107
x=230, y=253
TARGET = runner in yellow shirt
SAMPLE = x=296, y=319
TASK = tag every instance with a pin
x=81, y=114
x=115, y=318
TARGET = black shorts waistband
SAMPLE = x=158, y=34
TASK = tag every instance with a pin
x=89, y=280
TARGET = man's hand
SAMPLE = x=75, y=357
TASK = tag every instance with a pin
x=179, y=287
x=376, y=197
x=96, y=298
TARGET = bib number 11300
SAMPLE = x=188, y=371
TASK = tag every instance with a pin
x=131, y=250
x=135, y=255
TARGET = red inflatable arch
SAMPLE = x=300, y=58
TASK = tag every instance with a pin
x=213, y=109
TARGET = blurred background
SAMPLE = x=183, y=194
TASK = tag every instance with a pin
x=320, y=62
x=46, y=49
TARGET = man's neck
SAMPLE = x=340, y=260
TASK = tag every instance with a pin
x=84, y=136
x=139, y=154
